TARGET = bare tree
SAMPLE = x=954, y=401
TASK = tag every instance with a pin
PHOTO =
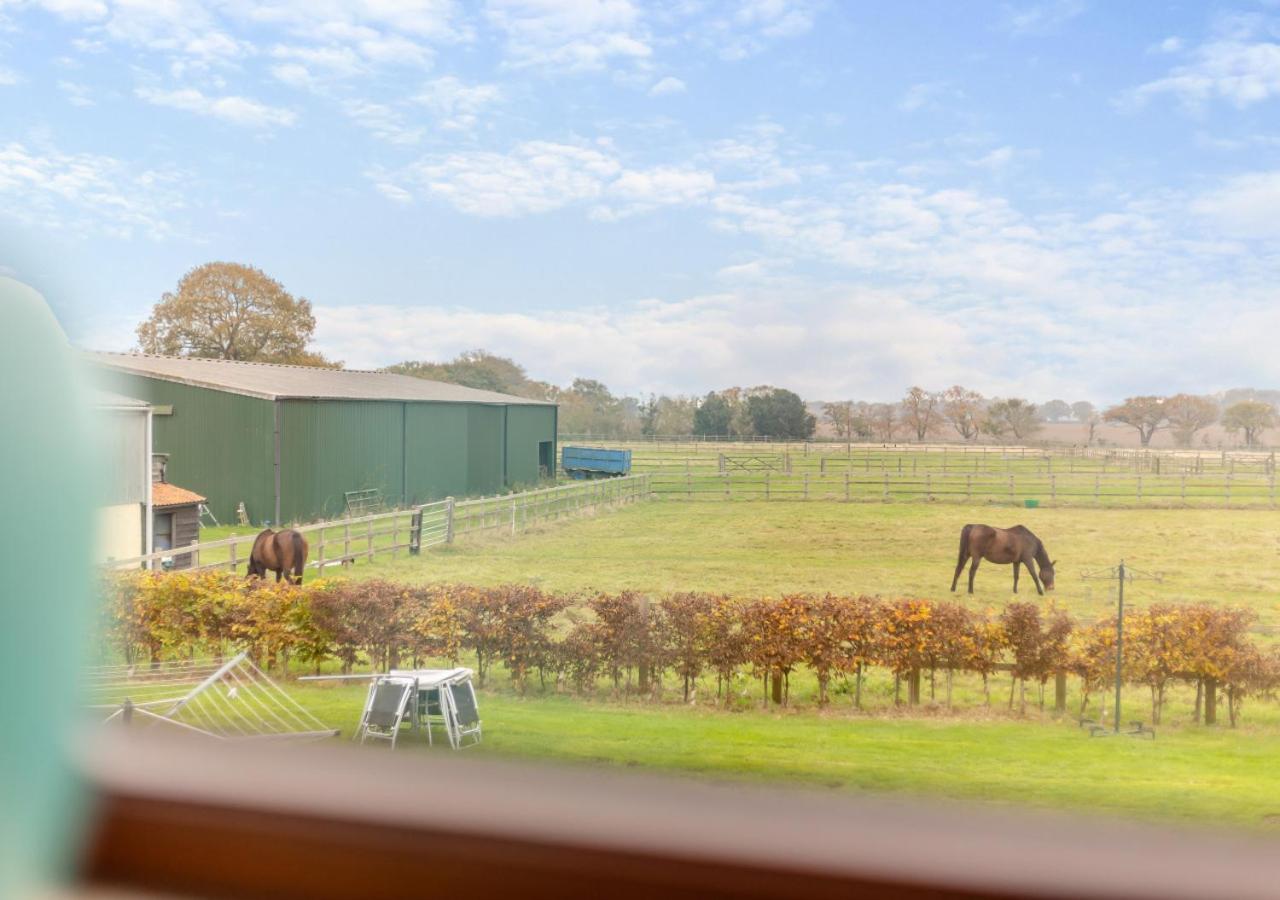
x=883, y=419
x=840, y=415
x=1146, y=414
x=921, y=410
x=964, y=409
x=1188, y=414
x=1086, y=414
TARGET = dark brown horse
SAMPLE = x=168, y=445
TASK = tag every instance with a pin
x=282, y=552
x=1015, y=545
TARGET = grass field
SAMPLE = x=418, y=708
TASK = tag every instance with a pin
x=1192, y=774
x=888, y=549
x=1188, y=773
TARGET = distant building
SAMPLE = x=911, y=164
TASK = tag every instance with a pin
x=291, y=442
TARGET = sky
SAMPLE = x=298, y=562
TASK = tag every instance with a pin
x=1046, y=199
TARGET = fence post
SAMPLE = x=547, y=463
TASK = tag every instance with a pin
x=1228, y=489
x=846, y=486
x=928, y=486
x=415, y=534
x=448, y=519
x=195, y=554
x=886, y=485
x=368, y=539
x=234, y=561
x=1097, y=484
x=320, y=552
x=1139, y=488
x=806, y=485
x=1184, y=488
x=1011, y=489
x=1053, y=489
x=688, y=485
x=968, y=487
x=766, y=485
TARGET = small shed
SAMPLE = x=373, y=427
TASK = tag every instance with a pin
x=177, y=520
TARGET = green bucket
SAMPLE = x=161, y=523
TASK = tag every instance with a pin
x=1031, y=504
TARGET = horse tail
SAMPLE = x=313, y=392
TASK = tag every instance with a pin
x=299, y=553
x=964, y=544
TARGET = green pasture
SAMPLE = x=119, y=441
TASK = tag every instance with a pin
x=769, y=548
x=982, y=749
x=1206, y=776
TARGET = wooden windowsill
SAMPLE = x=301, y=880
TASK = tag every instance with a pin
x=199, y=818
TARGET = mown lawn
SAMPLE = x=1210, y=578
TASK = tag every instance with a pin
x=1201, y=775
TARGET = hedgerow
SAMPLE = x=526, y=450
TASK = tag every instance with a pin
x=632, y=639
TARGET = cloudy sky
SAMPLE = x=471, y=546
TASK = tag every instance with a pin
x=1061, y=198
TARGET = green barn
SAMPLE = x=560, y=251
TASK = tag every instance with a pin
x=290, y=442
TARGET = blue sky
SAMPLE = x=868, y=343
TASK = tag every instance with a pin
x=1059, y=198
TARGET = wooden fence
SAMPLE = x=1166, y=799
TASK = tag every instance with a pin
x=407, y=531
x=1227, y=491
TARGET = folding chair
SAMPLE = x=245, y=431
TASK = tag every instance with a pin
x=466, y=714
x=385, y=708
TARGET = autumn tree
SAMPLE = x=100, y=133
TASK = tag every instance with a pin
x=775, y=633
x=1013, y=416
x=1187, y=414
x=963, y=410
x=842, y=418
x=667, y=415
x=921, y=411
x=1250, y=416
x=588, y=407
x=685, y=633
x=883, y=420
x=1146, y=414
x=224, y=310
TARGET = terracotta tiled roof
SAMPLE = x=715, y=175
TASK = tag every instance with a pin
x=164, y=494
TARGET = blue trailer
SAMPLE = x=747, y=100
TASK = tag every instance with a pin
x=595, y=462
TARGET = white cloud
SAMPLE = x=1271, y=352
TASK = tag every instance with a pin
x=1238, y=72
x=1171, y=44
x=382, y=122
x=542, y=176
x=534, y=177
x=1244, y=206
x=668, y=85
x=457, y=106
x=1040, y=18
x=85, y=193
x=570, y=35
x=928, y=94
x=236, y=110
x=8, y=77
x=746, y=26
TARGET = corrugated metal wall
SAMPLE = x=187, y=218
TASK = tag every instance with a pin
x=219, y=444
x=436, y=440
x=527, y=427
x=329, y=447
x=485, y=449
x=222, y=445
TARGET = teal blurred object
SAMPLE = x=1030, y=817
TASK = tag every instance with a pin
x=46, y=536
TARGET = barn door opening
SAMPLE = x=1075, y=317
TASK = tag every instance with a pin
x=545, y=462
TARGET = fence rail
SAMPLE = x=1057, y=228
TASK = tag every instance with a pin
x=344, y=541
x=1061, y=490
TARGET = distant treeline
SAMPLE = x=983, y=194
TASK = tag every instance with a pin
x=588, y=406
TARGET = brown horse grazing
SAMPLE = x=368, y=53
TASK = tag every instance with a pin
x=1015, y=545
x=282, y=552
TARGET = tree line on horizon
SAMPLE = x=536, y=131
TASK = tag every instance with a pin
x=233, y=311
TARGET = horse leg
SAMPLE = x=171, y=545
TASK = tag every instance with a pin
x=1036, y=578
x=279, y=575
x=1017, y=564
x=973, y=570
x=964, y=558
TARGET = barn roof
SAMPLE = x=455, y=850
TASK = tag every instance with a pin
x=279, y=382
x=164, y=494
